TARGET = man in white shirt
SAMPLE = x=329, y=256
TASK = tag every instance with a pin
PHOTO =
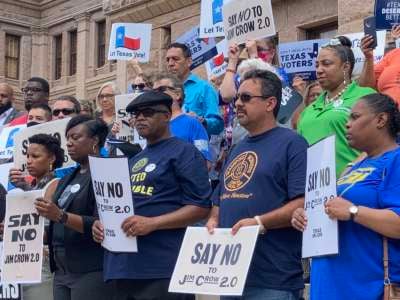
x=7, y=111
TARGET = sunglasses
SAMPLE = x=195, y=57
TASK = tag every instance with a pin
x=147, y=112
x=64, y=111
x=164, y=88
x=245, y=97
x=332, y=42
x=139, y=86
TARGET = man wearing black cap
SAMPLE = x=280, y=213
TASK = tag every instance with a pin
x=171, y=190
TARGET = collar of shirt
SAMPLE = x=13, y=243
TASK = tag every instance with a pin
x=319, y=104
x=5, y=115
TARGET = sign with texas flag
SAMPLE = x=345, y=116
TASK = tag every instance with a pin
x=211, y=19
x=217, y=65
x=130, y=40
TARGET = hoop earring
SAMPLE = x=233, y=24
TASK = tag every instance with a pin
x=51, y=167
x=94, y=149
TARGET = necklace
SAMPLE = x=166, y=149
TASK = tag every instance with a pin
x=336, y=97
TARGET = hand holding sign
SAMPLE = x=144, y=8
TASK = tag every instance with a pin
x=138, y=226
x=338, y=208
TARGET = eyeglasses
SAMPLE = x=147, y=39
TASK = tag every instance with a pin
x=106, y=96
x=33, y=90
x=64, y=111
x=164, y=88
x=147, y=112
x=332, y=42
x=139, y=86
x=245, y=97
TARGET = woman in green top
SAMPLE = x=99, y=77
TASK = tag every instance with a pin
x=329, y=113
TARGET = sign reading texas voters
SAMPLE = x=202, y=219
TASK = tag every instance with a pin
x=130, y=40
x=211, y=21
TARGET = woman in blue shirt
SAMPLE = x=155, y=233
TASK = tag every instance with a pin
x=367, y=208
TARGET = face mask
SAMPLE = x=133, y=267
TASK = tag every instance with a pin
x=265, y=55
x=32, y=123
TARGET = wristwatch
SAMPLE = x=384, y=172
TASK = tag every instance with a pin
x=64, y=217
x=353, y=210
x=263, y=230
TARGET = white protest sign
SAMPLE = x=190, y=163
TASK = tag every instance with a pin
x=7, y=136
x=54, y=128
x=248, y=20
x=379, y=51
x=217, y=65
x=127, y=133
x=211, y=21
x=321, y=234
x=214, y=264
x=130, y=41
x=114, y=200
x=4, y=172
x=9, y=291
x=23, y=238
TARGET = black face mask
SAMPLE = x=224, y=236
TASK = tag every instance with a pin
x=5, y=107
x=32, y=123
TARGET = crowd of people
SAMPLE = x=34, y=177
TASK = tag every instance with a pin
x=216, y=156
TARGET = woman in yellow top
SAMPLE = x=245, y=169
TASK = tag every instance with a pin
x=329, y=113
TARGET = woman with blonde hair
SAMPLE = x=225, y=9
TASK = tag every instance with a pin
x=105, y=102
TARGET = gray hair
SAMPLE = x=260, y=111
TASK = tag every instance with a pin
x=114, y=87
x=255, y=64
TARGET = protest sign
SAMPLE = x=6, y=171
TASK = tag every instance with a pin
x=211, y=21
x=7, y=136
x=214, y=264
x=114, y=200
x=130, y=41
x=299, y=58
x=23, y=238
x=8, y=291
x=126, y=133
x=54, y=128
x=321, y=234
x=291, y=99
x=217, y=65
x=359, y=56
x=248, y=20
x=4, y=172
x=201, y=49
x=387, y=13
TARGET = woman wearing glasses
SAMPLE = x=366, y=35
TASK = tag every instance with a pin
x=329, y=113
x=368, y=208
x=105, y=101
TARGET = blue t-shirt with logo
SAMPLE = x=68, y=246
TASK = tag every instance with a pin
x=263, y=173
x=165, y=177
x=357, y=272
x=190, y=129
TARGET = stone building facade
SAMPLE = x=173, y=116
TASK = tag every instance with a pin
x=65, y=41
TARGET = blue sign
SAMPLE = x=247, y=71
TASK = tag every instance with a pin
x=299, y=58
x=202, y=49
x=387, y=13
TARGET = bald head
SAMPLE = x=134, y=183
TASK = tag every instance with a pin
x=6, y=94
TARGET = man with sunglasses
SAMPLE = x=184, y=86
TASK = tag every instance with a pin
x=65, y=107
x=262, y=183
x=170, y=189
x=35, y=91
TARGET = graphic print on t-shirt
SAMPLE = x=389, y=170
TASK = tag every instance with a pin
x=240, y=171
x=355, y=176
x=140, y=164
x=138, y=177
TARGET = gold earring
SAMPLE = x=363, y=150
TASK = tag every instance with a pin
x=94, y=149
x=51, y=166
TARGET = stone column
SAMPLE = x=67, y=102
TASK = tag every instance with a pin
x=82, y=54
x=2, y=54
x=26, y=61
x=40, y=53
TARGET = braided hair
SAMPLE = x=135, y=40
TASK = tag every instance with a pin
x=380, y=103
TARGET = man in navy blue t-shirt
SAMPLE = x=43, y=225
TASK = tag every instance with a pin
x=170, y=190
x=262, y=183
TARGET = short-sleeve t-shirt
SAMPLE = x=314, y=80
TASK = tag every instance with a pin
x=318, y=121
x=190, y=129
x=263, y=173
x=357, y=272
x=165, y=177
x=387, y=74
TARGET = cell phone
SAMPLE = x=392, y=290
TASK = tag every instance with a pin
x=370, y=29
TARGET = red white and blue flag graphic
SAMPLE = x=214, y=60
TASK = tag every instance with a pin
x=122, y=41
x=217, y=61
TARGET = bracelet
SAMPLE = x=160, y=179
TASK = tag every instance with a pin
x=231, y=71
x=262, y=227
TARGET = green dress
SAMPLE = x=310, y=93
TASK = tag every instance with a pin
x=318, y=121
